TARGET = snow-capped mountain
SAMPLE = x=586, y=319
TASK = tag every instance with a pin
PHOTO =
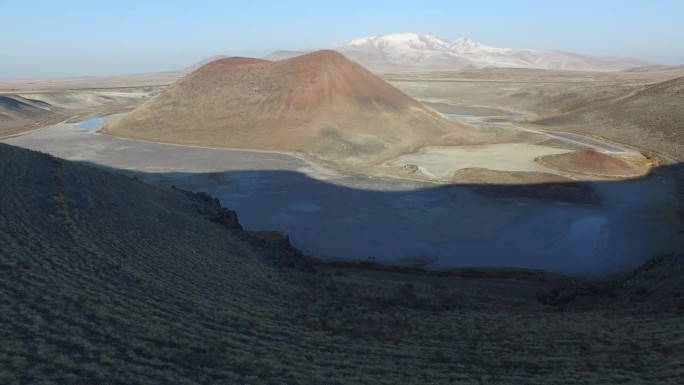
x=426, y=52
x=467, y=45
x=402, y=51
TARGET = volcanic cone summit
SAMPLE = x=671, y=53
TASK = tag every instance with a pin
x=321, y=104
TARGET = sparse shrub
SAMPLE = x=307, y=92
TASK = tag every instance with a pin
x=24, y=264
x=440, y=356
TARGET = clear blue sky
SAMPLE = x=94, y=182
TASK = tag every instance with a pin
x=64, y=38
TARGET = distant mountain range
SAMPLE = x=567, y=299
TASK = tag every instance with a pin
x=426, y=52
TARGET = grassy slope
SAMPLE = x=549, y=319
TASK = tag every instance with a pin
x=108, y=280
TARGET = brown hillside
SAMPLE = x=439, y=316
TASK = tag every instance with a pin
x=321, y=104
x=594, y=163
x=652, y=117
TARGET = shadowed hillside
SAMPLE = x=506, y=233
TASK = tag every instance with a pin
x=321, y=104
x=109, y=280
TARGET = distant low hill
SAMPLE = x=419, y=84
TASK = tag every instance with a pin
x=321, y=104
x=651, y=117
x=656, y=68
x=16, y=110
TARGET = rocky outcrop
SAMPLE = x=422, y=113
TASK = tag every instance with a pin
x=212, y=209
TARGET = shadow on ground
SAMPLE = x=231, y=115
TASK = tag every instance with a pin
x=585, y=229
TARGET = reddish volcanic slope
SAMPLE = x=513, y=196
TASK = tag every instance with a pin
x=321, y=104
x=591, y=162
